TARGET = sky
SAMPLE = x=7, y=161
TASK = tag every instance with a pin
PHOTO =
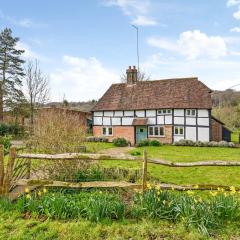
x=84, y=46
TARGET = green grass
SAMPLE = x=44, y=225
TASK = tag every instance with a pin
x=235, y=136
x=97, y=146
x=191, y=154
x=188, y=176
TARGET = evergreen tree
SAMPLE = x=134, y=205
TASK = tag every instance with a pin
x=11, y=71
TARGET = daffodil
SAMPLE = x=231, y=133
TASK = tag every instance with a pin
x=158, y=187
x=28, y=196
x=44, y=190
x=158, y=193
x=213, y=193
x=39, y=193
x=164, y=202
x=173, y=188
x=233, y=190
x=27, y=190
x=225, y=194
x=196, y=186
x=200, y=200
x=189, y=192
x=149, y=186
x=100, y=192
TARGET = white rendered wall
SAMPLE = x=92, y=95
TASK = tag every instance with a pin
x=140, y=113
x=168, y=119
x=191, y=133
x=150, y=113
x=116, y=121
x=118, y=113
x=203, y=121
x=97, y=120
x=178, y=120
x=178, y=112
x=98, y=113
x=202, y=113
x=127, y=121
x=106, y=121
x=203, y=134
x=190, y=121
x=160, y=119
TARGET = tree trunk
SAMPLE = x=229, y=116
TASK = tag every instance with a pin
x=1, y=102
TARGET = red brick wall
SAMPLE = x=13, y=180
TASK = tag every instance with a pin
x=128, y=133
x=168, y=135
x=118, y=131
x=216, y=130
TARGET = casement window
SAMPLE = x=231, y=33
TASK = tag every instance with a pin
x=107, y=131
x=164, y=111
x=178, y=131
x=156, y=131
x=191, y=112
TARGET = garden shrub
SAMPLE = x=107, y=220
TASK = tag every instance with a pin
x=154, y=143
x=184, y=142
x=120, y=142
x=6, y=142
x=11, y=129
x=143, y=143
x=96, y=139
x=135, y=153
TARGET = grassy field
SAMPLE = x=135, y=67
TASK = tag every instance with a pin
x=14, y=227
x=194, y=175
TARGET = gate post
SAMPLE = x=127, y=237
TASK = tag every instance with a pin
x=144, y=180
x=9, y=171
x=1, y=168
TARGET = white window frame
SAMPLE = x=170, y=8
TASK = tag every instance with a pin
x=190, y=114
x=107, y=131
x=178, y=128
x=164, y=111
x=153, y=129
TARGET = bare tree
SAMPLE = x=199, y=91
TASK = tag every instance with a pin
x=142, y=76
x=38, y=90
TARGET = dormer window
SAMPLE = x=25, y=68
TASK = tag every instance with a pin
x=191, y=112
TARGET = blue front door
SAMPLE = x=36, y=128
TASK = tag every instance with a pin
x=141, y=133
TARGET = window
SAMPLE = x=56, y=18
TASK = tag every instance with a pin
x=156, y=131
x=191, y=112
x=164, y=111
x=107, y=131
x=178, y=131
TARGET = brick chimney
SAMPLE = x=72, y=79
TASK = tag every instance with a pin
x=132, y=75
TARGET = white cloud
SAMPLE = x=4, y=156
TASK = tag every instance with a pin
x=232, y=2
x=137, y=10
x=237, y=14
x=217, y=74
x=81, y=79
x=193, y=44
x=25, y=22
x=235, y=29
x=144, y=21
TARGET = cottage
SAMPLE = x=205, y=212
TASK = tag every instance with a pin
x=167, y=110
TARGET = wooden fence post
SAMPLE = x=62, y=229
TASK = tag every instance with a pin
x=29, y=164
x=9, y=171
x=1, y=168
x=144, y=180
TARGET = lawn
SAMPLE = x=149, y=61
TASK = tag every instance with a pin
x=194, y=175
x=14, y=227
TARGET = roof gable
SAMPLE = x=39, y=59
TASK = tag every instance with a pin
x=169, y=93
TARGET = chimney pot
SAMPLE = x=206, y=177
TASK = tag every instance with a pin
x=132, y=75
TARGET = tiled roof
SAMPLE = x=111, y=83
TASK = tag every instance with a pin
x=139, y=121
x=169, y=93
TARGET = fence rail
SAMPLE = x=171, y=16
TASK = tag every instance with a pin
x=18, y=167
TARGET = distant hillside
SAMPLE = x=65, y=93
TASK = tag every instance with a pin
x=226, y=107
x=82, y=106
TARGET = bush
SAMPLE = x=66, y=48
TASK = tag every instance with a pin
x=6, y=142
x=135, y=153
x=11, y=129
x=96, y=139
x=184, y=142
x=154, y=143
x=143, y=143
x=120, y=142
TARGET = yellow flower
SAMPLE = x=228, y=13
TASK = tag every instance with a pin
x=158, y=187
x=149, y=186
x=100, y=192
x=196, y=186
x=44, y=190
x=158, y=193
x=173, y=188
x=200, y=200
x=39, y=193
x=233, y=190
x=213, y=193
x=189, y=192
x=27, y=190
x=195, y=200
x=28, y=196
x=164, y=202
x=225, y=194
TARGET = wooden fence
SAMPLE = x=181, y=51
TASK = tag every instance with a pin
x=18, y=169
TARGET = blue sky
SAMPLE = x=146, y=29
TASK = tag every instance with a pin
x=84, y=46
